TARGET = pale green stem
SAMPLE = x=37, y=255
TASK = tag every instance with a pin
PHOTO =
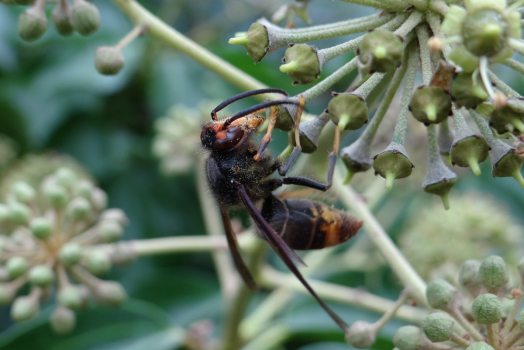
x=515, y=65
x=388, y=315
x=421, y=5
x=484, y=129
x=341, y=294
x=439, y=6
x=502, y=86
x=270, y=338
x=517, y=45
x=435, y=24
x=483, y=69
x=227, y=274
x=328, y=54
x=459, y=340
x=425, y=56
x=461, y=126
x=413, y=20
x=510, y=318
x=371, y=130
x=388, y=5
x=365, y=89
x=390, y=252
x=325, y=84
x=402, y=121
x=160, y=30
x=291, y=36
x=132, y=35
x=328, y=26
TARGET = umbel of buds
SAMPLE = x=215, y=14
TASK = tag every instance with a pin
x=493, y=324
x=48, y=235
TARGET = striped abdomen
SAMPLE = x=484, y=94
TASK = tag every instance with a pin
x=305, y=224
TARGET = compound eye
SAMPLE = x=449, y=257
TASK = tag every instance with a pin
x=228, y=138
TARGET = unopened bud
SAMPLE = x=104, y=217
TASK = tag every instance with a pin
x=486, y=309
x=469, y=274
x=468, y=90
x=109, y=60
x=392, y=163
x=70, y=297
x=84, y=17
x=348, y=111
x=408, y=338
x=79, y=209
x=361, y=335
x=32, y=23
x=110, y=231
x=23, y=192
x=438, y=327
x=60, y=17
x=65, y=177
x=98, y=262
x=380, y=51
x=301, y=64
x=62, y=320
x=41, y=228
x=110, y=293
x=70, y=253
x=493, y=273
x=24, y=308
x=56, y=195
x=430, y=105
x=16, y=266
x=19, y=213
x=255, y=40
x=480, y=346
x=41, y=275
x=440, y=294
x=485, y=33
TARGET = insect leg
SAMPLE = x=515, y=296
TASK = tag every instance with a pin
x=267, y=138
x=241, y=96
x=233, y=248
x=297, y=149
x=284, y=252
x=332, y=160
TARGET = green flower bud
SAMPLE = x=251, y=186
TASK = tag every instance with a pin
x=452, y=23
x=110, y=293
x=469, y=274
x=408, y=338
x=356, y=157
x=99, y=199
x=32, y=23
x=440, y=293
x=19, y=213
x=486, y=309
x=6, y=294
x=109, y=60
x=41, y=275
x=309, y=133
x=84, y=189
x=392, y=163
x=468, y=90
x=41, y=228
x=511, y=114
x=56, y=195
x=301, y=64
x=79, y=209
x=60, y=17
x=463, y=58
x=117, y=215
x=70, y=253
x=430, y=105
x=110, y=231
x=440, y=185
x=24, y=308
x=485, y=33
x=493, y=273
x=361, y=335
x=480, y=346
x=380, y=51
x=84, y=17
x=469, y=151
x=16, y=266
x=23, y=192
x=62, y=320
x=438, y=327
x=505, y=163
x=348, y=111
x=255, y=40
x=4, y=214
x=98, y=262
x=70, y=297
x=66, y=177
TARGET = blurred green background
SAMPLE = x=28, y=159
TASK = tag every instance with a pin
x=52, y=98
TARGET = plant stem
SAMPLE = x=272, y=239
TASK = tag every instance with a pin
x=439, y=6
x=390, y=252
x=413, y=20
x=163, y=32
x=236, y=309
x=132, y=35
x=341, y=294
x=435, y=24
x=425, y=57
x=502, y=86
x=269, y=339
x=227, y=274
x=388, y=5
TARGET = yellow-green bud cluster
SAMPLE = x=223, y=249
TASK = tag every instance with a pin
x=47, y=237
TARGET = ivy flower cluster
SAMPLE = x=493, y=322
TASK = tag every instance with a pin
x=46, y=240
x=452, y=43
x=480, y=313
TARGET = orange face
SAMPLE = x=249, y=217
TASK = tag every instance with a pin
x=218, y=135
